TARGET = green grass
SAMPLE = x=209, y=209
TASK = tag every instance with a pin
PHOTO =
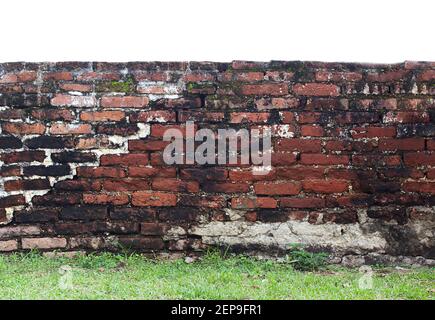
x=109, y=276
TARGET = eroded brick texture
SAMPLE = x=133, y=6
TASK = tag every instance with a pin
x=353, y=157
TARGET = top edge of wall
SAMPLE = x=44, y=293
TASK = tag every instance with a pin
x=212, y=65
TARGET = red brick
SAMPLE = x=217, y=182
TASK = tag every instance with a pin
x=250, y=175
x=420, y=158
x=200, y=116
x=141, y=159
x=309, y=117
x=406, y=117
x=323, y=159
x=63, y=128
x=409, y=144
x=373, y=132
x=126, y=185
x=387, y=76
x=202, y=201
x=10, y=171
x=102, y=116
x=277, y=188
x=153, y=199
x=338, y=76
x=23, y=76
x=312, y=131
x=74, y=101
x=226, y=187
x=277, y=103
x=376, y=160
x=198, y=77
x=169, y=172
x=78, y=185
x=427, y=75
x=241, y=76
x=58, y=76
x=43, y=243
x=23, y=156
x=334, y=145
x=252, y=203
x=124, y=102
x=13, y=200
x=53, y=114
x=419, y=186
x=33, y=184
x=153, y=116
x=158, y=130
x=101, y=198
x=430, y=144
x=152, y=229
x=300, y=173
x=100, y=172
x=23, y=128
x=283, y=158
x=325, y=186
x=431, y=174
x=301, y=145
x=76, y=87
x=92, y=76
x=316, y=89
x=272, y=89
x=168, y=184
x=287, y=117
x=307, y=202
x=249, y=117
x=147, y=145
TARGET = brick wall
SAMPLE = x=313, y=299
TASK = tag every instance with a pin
x=353, y=163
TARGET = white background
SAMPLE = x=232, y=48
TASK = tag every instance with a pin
x=223, y=30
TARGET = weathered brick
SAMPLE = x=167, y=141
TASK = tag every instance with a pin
x=301, y=145
x=49, y=142
x=10, y=201
x=277, y=188
x=252, y=203
x=74, y=101
x=43, y=243
x=410, y=144
x=33, y=184
x=73, y=157
x=102, y=198
x=19, y=231
x=83, y=213
x=272, y=89
x=125, y=160
x=126, y=185
x=249, y=117
x=102, y=116
x=306, y=202
x=153, y=116
x=325, y=186
x=20, y=128
x=323, y=159
x=168, y=184
x=61, y=170
x=124, y=102
x=9, y=142
x=153, y=199
x=23, y=156
x=316, y=89
x=63, y=128
x=8, y=245
x=100, y=172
